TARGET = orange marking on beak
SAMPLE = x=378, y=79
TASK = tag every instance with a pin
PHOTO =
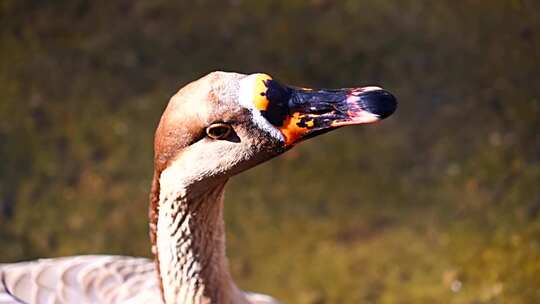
x=291, y=130
x=259, y=99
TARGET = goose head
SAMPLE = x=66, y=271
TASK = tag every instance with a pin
x=212, y=129
x=225, y=123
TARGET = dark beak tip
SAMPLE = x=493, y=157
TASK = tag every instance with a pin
x=380, y=102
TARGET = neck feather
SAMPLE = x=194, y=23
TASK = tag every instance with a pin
x=190, y=245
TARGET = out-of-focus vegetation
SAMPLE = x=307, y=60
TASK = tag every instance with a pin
x=438, y=204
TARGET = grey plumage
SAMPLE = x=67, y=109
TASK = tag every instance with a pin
x=80, y=279
x=87, y=279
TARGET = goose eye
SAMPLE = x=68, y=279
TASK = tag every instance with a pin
x=218, y=130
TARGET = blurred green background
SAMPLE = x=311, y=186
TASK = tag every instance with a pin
x=438, y=204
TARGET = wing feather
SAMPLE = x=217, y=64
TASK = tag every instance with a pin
x=80, y=279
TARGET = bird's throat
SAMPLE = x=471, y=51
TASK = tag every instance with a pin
x=190, y=245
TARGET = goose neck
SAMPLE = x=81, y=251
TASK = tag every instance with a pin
x=190, y=245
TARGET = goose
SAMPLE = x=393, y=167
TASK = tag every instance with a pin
x=212, y=128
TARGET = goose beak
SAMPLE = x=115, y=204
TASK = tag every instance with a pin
x=301, y=113
x=314, y=112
